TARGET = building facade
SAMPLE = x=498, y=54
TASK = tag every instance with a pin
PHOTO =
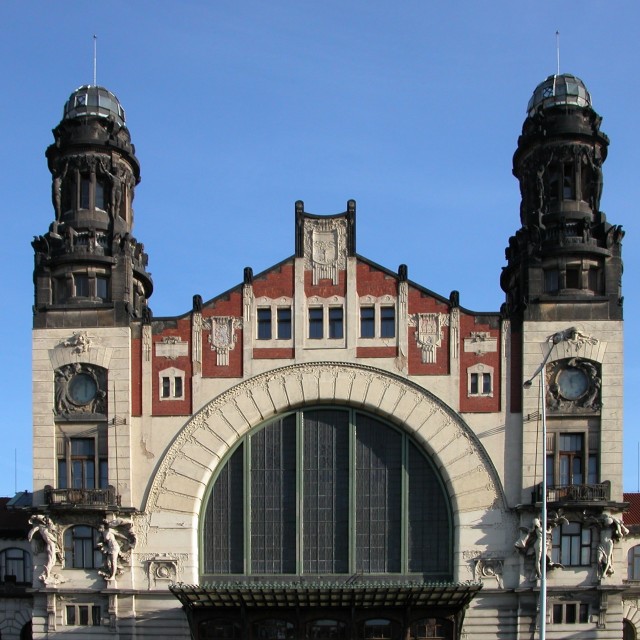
x=328, y=449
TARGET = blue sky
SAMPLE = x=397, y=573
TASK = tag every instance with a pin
x=240, y=108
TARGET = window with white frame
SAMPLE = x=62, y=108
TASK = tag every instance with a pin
x=377, y=318
x=480, y=380
x=83, y=615
x=171, y=384
x=83, y=461
x=273, y=321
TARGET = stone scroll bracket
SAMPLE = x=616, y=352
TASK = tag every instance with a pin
x=186, y=469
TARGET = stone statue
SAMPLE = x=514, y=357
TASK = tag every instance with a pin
x=46, y=530
x=612, y=530
x=118, y=538
x=115, y=198
x=530, y=542
x=56, y=191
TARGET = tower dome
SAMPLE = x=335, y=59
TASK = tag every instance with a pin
x=557, y=90
x=91, y=100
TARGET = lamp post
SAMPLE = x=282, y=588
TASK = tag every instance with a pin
x=552, y=341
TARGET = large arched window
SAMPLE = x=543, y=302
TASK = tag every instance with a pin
x=327, y=490
x=15, y=565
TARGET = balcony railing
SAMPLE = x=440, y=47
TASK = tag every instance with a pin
x=82, y=497
x=600, y=492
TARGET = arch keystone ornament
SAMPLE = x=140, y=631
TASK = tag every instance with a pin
x=471, y=481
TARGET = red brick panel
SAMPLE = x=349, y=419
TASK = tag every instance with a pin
x=420, y=302
x=276, y=283
x=374, y=282
x=376, y=352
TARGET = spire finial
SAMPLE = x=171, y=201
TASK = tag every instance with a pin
x=95, y=60
x=558, y=52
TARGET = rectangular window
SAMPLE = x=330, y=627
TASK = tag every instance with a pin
x=102, y=287
x=177, y=387
x=573, y=278
x=284, y=323
x=473, y=388
x=86, y=615
x=85, y=184
x=316, y=320
x=81, y=285
x=264, y=324
x=367, y=322
x=83, y=464
x=387, y=322
x=570, y=450
x=166, y=387
x=335, y=323
x=100, y=193
x=486, y=383
x=570, y=613
x=571, y=545
x=593, y=280
x=551, y=280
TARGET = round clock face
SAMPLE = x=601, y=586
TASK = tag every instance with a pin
x=82, y=389
x=573, y=383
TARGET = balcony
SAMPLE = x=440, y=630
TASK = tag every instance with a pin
x=82, y=497
x=576, y=493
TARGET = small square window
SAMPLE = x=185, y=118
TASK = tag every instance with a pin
x=367, y=322
x=387, y=322
x=316, y=319
x=264, y=324
x=284, y=323
x=335, y=323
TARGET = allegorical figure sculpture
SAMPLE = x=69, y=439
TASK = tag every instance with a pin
x=118, y=538
x=530, y=542
x=611, y=531
x=46, y=530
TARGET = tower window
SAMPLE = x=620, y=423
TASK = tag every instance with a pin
x=81, y=285
x=102, y=287
x=85, y=190
x=573, y=277
x=569, y=182
x=100, y=200
x=551, y=280
x=81, y=548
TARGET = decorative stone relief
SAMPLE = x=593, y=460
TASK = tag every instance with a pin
x=44, y=529
x=172, y=347
x=480, y=342
x=325, y=247
x=196, y=341
x=222, y=336
x=163, y=568
x=455, y=332
x=429, y=332
x=247, y=301
x=146, y=342
x=79, y=342
x=80, y=389
x=118, y=539
x=573, y=386
x=487, y=568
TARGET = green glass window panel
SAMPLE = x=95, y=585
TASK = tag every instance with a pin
x=326, y=492
x=223, y=534
x=378, y=496
x=428, y=520
x=273, y=498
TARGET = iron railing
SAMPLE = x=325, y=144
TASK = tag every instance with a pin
x=82, y=497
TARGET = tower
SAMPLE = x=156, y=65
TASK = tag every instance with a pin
x=89, y=269
x=563, y=297
x=91, y=286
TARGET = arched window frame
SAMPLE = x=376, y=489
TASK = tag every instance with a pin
x=15, y=561
x=407, y=442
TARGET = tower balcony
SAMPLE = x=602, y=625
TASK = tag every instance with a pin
x=575, y=493
x=86, y=498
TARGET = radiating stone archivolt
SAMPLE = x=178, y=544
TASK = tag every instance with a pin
x=186, y=469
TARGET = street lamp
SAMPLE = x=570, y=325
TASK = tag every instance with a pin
x=552, y=341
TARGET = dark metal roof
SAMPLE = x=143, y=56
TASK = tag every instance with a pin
x=324, y=594
x=91, y=100
x=563, y=89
